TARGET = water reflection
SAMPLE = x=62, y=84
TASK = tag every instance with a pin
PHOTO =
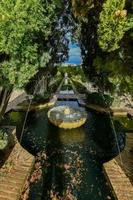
x=72, y=167
x=74, y=157
x=71, y=137
x=105, y=135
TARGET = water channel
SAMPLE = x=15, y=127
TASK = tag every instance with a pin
x=73, y=158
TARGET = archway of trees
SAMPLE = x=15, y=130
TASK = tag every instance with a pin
x=33, y=41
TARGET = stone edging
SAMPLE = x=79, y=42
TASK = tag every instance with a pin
x=18, y=167
x=120, y=183
x=114, y=111
x=15, y=101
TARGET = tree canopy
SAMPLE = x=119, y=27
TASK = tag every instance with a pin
x=28, y=33
x=105, y=36
x=33, y=35
x=34, y=38
x=112, y=26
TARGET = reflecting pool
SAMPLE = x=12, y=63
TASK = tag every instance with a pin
x=72, y=168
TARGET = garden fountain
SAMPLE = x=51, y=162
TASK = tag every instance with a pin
x=67, y=117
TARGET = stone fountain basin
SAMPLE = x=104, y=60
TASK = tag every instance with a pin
x=67, y=117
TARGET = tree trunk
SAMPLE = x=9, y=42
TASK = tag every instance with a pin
x=4, y=99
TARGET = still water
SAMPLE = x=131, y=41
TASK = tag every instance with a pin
x=74, y=158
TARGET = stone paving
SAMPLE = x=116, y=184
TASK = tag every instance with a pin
x=127, y=157
x=120, y=183
x=15, y=99
x=15, y=172
x=15, y=94
x=19, y=165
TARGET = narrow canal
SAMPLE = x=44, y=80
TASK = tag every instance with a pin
x=73, y=159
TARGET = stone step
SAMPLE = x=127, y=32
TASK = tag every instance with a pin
x=120, y=183
x=8, y=186
x=8, y=195
x=6, y=198
x=11, y=185
x=16, y=177
x=21, y=170
x=11, y=190
x=14, y=182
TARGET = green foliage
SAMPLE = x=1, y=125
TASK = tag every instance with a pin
x=116, y=73
x=53, y=87
x=40, y=98
x=96, y=98
x=21, y=25
x=79, y=87
x=129, y=24
x=81, y=8
x=113, y=24
x=3, y=139
x=126, y=122
x=66, y=87
x=124, y=84
x=106, y=40
x=14, y=117
x=73, y=71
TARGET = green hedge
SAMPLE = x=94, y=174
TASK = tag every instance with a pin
x=80, y=88
x=3, y=140
x=40, y=98
x=98, y=99
x=66, y=87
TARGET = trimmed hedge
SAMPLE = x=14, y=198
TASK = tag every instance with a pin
x=98, y=99
x=80, y=88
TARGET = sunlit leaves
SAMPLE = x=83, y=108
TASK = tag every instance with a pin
x=112, y=26
x=21, y=22
x=129, y=24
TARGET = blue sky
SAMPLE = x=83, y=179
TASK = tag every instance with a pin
x=74, y=54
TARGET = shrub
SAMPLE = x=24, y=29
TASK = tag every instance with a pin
x=98, y=99
x=39, y=98
x=3, y=139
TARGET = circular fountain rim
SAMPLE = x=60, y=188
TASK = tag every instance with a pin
x=67, y=120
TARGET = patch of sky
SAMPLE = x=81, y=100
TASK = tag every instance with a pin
x=74, y=54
